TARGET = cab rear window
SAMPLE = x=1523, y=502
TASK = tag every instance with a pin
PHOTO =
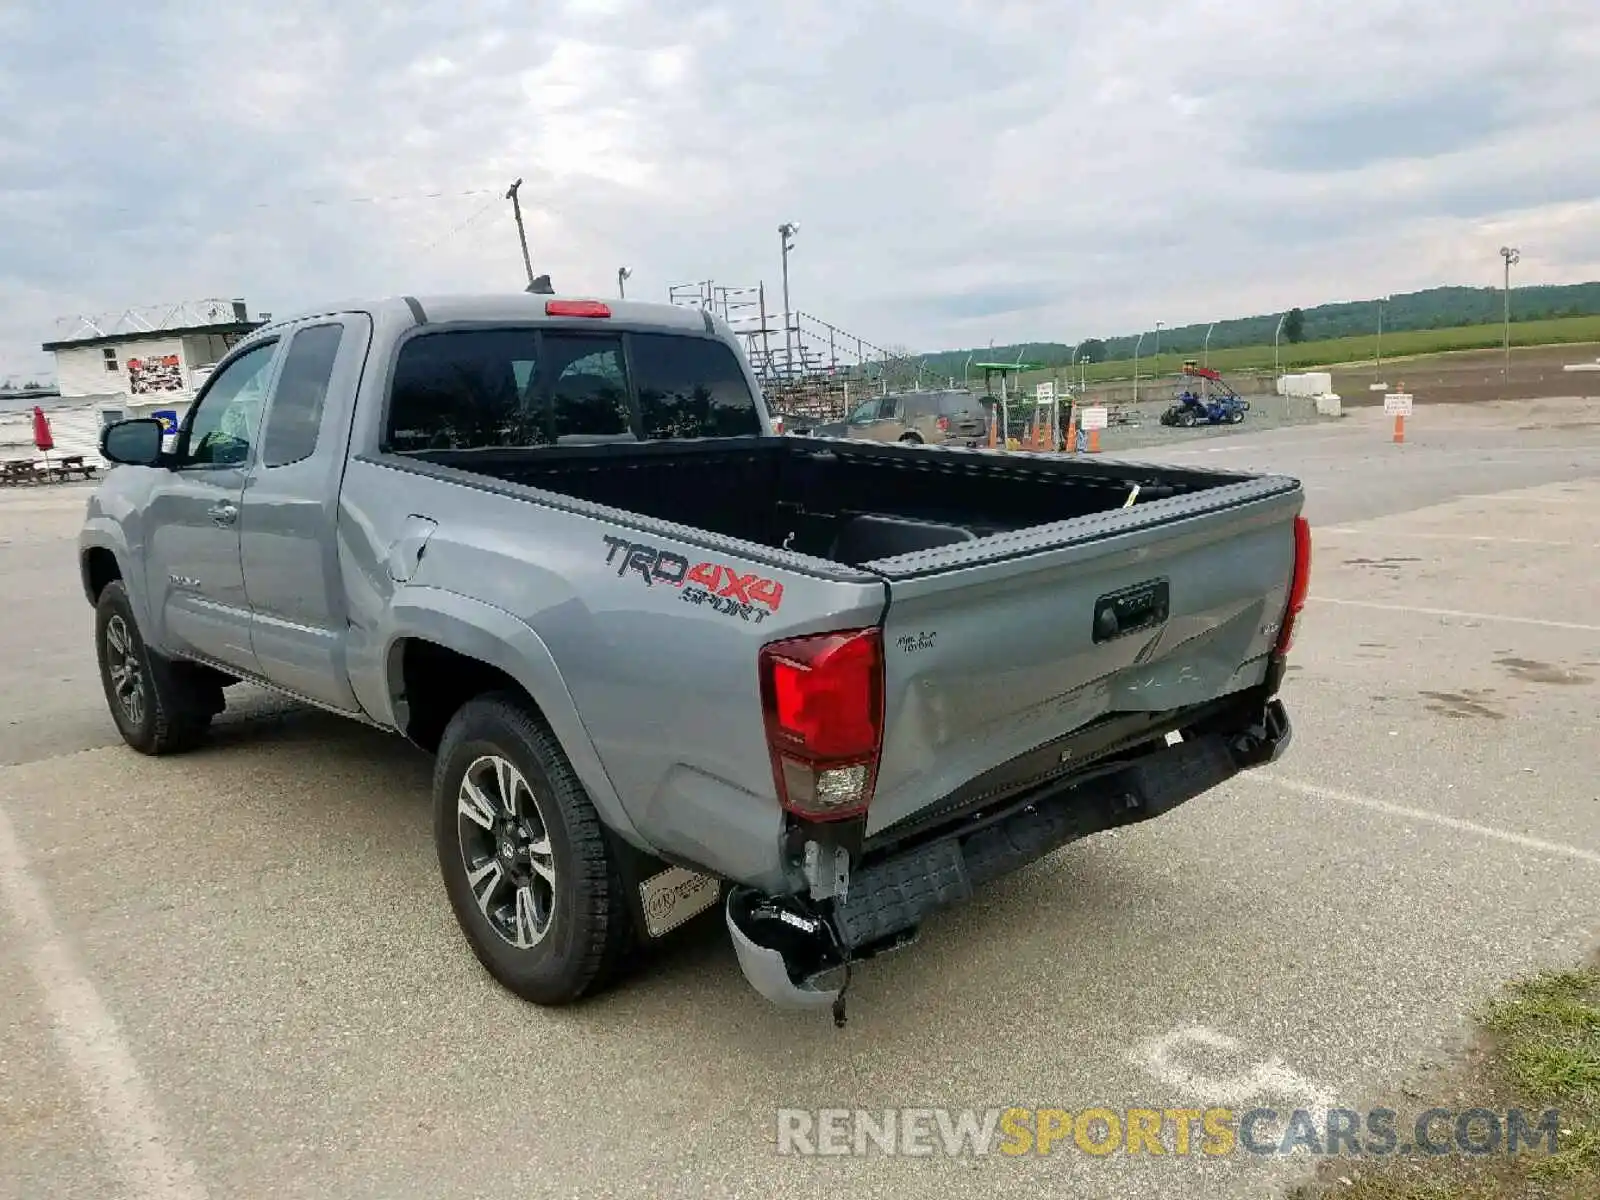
x=524, y=387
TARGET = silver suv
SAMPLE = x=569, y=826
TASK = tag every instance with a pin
x=934, y=418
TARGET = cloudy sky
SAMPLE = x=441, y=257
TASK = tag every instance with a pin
x=960, y=171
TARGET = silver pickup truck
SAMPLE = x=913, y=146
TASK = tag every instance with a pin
x=666, y=659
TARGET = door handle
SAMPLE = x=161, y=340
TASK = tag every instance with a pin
x=223, y=512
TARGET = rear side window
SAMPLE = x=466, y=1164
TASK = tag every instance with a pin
x=467, y=390
x=691, y=388
x=296, y=412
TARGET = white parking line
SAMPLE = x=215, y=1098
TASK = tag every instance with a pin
x=1451, y=537
x=1504, y=498
x=1456, y=612
x=1333, y=795
x=87, y=1035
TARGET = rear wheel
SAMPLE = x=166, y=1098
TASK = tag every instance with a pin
x=531, y=877
x=910, y=439
x=159, y=706
x=1235, y=416
x=1186, y=419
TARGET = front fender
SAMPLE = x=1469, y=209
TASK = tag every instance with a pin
x=104, y=533
x=501, y=639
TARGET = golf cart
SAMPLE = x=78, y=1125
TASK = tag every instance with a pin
x=1213, y=403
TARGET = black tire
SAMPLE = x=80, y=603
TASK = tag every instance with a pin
x=1186, y=419
x=587, y=927
x=910, y=439
x=159, y=706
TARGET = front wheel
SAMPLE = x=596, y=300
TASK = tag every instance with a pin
x=532, y=880
x=159, y=706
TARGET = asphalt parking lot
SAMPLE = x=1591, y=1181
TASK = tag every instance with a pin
x=233, y=974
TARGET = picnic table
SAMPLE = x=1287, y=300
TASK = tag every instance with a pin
x=26, y=470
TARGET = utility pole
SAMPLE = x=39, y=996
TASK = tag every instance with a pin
x=623, y=275
x=522, y=234
x=1156, y=370
x=1205, y=360
x=786, y=232
x=1382, y=300
x=1137, y=342
x=1512, y=255
x=1277, y=370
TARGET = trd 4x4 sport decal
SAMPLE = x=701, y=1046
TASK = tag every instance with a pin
x=726, y=590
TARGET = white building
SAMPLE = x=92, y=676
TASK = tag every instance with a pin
x=138, y=363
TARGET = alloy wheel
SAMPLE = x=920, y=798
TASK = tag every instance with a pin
x=125, y=668
x=505, y=848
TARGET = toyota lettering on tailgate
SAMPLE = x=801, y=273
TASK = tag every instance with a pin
x=725, y=589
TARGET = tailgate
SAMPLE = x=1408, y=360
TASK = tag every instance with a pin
x=996, y=646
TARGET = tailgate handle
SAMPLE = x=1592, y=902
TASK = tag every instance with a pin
x=1142, y=606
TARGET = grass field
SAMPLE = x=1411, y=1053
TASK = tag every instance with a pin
x=1538, y=1048
x=1312, y=355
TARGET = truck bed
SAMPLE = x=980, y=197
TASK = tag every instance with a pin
x=850, y=502
x=1000, y=572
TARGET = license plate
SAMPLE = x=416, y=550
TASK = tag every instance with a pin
x=673, y=896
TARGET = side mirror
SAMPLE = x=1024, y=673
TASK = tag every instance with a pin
x=135, y=443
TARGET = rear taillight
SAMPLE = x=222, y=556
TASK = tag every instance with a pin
x=576, y=308
x=1298, y=586
x=777, y=424
x=822, y=698
x=944, y=424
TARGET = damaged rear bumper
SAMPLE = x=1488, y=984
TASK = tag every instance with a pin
x=797, y=954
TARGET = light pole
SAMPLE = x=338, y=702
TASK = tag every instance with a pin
x=1512, y=255
x=1380, y=354
x=623, y=275
x=1136, y=344
x=1155, y=371
x=1277, y=370
x=786, y=232
x=1206, y=350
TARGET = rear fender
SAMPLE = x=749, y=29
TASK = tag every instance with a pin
x=499, y=638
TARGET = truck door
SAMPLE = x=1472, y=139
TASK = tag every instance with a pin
x=195, y=581
x=287, y=527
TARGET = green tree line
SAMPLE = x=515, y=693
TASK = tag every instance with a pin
x=1435, y=308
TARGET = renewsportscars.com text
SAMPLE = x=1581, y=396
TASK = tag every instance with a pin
x=1209, y=1132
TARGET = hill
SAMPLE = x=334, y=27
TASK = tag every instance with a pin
x=1435, y=308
